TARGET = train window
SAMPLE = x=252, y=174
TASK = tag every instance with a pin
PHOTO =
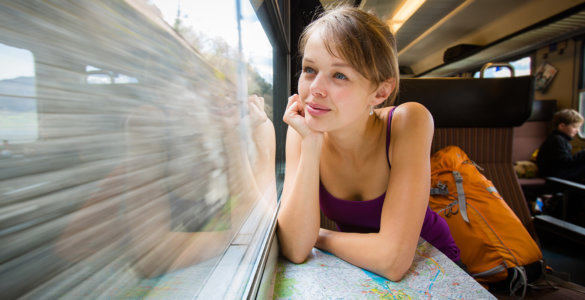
x=522, y=67
x=99, y=76
x=139, y=153
x=18, y=103
x=582, y=112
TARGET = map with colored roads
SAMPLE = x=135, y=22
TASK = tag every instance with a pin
x=324, y=276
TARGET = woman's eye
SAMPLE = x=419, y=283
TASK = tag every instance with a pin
x=340, y=76
x=309, y=70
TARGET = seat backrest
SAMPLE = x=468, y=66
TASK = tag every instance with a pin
x=532, y=133
x=479, y=115
x=471, y=102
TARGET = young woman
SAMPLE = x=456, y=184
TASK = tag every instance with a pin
x=367, y=169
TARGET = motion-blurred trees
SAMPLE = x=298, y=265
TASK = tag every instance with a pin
x=218, y=53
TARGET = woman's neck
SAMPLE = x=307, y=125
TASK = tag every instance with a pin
x=357, y=142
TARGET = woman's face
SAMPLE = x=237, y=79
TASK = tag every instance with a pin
x=334, y=95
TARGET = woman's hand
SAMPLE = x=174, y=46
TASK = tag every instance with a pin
x=263, y=136
x=256, y=111
x=262, y=133
x=230, y=114
x=294, y=116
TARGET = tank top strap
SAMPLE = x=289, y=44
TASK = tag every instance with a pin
x=390, y=115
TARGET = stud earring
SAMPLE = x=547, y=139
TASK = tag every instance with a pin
x=371, y=110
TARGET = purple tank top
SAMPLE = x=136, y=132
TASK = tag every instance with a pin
x=364, y=216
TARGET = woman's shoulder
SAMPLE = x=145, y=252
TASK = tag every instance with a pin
x=411, y=121
x=410, y=110
x=384, y=112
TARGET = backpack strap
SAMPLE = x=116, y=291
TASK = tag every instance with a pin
x=519, y=281
x=461, y=195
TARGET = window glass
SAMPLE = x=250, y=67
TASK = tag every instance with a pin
x=139, y=153
x=522, y=67
x=18, y=103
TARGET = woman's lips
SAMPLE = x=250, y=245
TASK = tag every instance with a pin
x=316, y=109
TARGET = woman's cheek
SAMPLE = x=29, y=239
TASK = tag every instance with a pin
x=303, y=88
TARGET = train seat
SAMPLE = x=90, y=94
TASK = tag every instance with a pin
x=527, y=138
x=480, y=115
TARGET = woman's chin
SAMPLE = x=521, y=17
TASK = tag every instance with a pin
x=314, y=124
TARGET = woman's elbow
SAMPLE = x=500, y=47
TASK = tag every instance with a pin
x=293, y=250
x=395, y=266
x=395, y=274
x=297, y=256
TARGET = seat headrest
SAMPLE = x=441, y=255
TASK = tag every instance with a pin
x=471, y=102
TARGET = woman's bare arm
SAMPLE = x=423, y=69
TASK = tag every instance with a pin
x=298, y=218
x=390, y=251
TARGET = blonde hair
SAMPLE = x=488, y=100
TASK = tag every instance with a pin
x=566, y=116
x=361, y=39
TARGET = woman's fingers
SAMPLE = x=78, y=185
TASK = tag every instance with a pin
x=292, y=99
x=294, y=116
x=259, y=101
x=293, y=109
x=296, y=99
x=256, y=110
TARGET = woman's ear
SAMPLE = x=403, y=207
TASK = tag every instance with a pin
x=384, y=91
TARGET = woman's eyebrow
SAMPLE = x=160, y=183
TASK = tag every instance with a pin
x=339, y=64
x=342, y=65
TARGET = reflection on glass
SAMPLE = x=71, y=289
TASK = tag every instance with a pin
x=18, y=105
x=129, y=164
x=214, y=32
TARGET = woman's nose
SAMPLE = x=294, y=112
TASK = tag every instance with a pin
x=318, y=87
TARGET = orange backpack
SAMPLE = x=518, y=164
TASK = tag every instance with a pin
x=490, y=236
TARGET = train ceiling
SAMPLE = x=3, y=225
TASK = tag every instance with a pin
x=501, y=28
